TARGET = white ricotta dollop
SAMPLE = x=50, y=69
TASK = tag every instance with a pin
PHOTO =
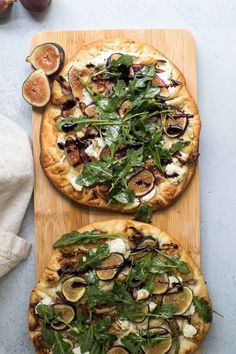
x=166, y=74
x=190, y=311
x=189, y=331
x=91, y=152
x=86, y=98
x=173, y=168
x=117, y=245
x=76, y=186
x=142, y=294
x=152, y=305
x=76, y=350
x=149, y=195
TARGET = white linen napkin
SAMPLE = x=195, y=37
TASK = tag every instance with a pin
x=16, y=185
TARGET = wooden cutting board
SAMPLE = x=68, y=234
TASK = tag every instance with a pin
x=55, y=214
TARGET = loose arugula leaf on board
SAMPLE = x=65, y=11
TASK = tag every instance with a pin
x=45, y=312
x=77, y=238
x=144, y=213
x=93, y=258
x=203, y=309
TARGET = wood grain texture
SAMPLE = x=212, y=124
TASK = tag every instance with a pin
x=56, y=214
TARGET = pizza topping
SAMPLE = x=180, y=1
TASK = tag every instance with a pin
x=64, y=312
x=75, y=84
x=74, y=289
x=108, y=269
x=162, y=347
x=36, y=89
x=175, y=173
x=68, y=107
x=118, y=349
x=72, y=152
x=90, y=111
x=142, y=294
x=176, y=125
x=47, y=56
x=141, y=183
x=189, y=330
x=117, y=245
x=161, y=283
x=182, y=300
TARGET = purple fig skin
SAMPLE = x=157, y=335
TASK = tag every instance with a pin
x=36, y=5
x=5, y=6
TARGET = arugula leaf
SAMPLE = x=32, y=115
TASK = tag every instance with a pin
x=81, y=121
x=99, y=296
x=140, y=271
x=77, y=238
x=45, y=312
x=101, y=332
x=60, y=346
x=203, y=309
x=93, y=258
x=125, y=59
x=88, y=343
x=123, y=196
x=172, y=262
x=48, y=336
x=178, y=146
x=134, y=342
x=175, y=335
x=144, y=213
x=164, y=310
x=95, y=173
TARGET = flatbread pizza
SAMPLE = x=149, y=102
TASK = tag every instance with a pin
x=121, y=128
x=119, y=287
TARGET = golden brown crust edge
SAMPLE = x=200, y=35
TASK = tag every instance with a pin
x=125, y=227
x=57, y=170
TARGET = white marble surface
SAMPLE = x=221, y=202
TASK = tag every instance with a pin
x=213, y=25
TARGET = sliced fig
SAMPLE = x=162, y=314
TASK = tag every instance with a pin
x=75, y=84
x=124, y=107
x=110, y=266
x=144, y=244
x=36, y=6
x=176, y=126
x=69, y=343
x=145, y=311
x=161, y=284
x=59, y=326
x=142, y=183
x=90, y=111
x=118, y=349
x=159, y=348
x=182, y=300
x=61, y=91
x=48, y=57
x=36, y=89
x=103, y=189
x=158, y=82
x=66, y=312
x=72, y=152
x=74, y=289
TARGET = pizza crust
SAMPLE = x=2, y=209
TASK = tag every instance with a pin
x=58, y=169
x=49, y=280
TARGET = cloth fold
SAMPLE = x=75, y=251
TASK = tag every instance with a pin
x=16, y=185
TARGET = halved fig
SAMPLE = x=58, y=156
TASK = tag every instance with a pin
x=182, y=300
x=175, y=126
x=159, y=348
x=75, y=84
x=36, y=89
x=48, y=57
x=124, y=107
x=144, y=244
x=118, y=349
x=156, y=322
x=74, y=288
x=141, y=183
x=90, y=111
x=145, y=311
x=161, y=284
x=103, y=189
x=72, y=152
x=110, y=266
x=66, y=312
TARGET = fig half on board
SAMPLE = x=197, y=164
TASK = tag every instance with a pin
x=49, y=57
x=36, y=89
